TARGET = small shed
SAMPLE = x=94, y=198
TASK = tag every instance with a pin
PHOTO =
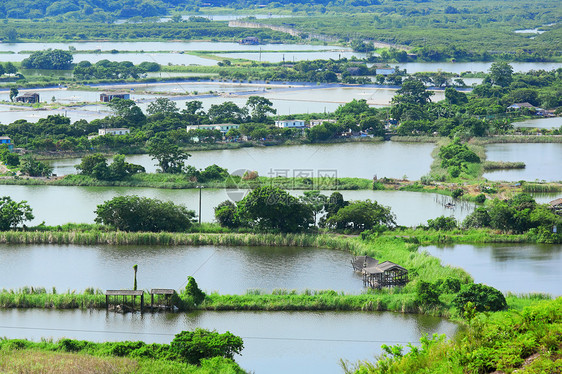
x=164, y=298
x=107, y=97
x=7, y=141
x=378, y=275
x=556, y=206
x=28, y=97
x=123, y=300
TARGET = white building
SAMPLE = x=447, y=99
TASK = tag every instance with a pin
x=316, y=122
x=290, y=124
x=113, y=131
x=222, y=127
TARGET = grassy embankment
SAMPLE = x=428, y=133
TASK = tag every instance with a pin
x=527, y=341
x=77, y=356
x=401, y=249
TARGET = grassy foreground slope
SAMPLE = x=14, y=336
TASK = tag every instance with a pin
x=529, y=341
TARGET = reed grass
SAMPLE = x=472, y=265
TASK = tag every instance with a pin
x=517, y=139
x=496, y=165
x=541, y=187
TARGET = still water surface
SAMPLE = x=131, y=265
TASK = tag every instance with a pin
x=59, y=205
x=360, y=160
x=519, y=268
x=279, y=342
x=225, y=269
x=543, y=161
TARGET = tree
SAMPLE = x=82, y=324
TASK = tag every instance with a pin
x=35, y=168
x=271, y=208
x=134, y=213
x=259, y=107
x=55, y=59
x=13, y=93
x=169, y=156
x=227, y=112
x=193, y=290
x=95, y=166
x=485, y=298
x=455, y=97
x=13, y=213
x=361, y=215
x=501, y=74
x=128, y=110
x=10, y=68
x=315, y=200
x=194, y=346
x=163, y=106
x=412, y=92
x=226, y=214
x=442, y=223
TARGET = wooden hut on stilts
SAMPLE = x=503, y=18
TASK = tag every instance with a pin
x=378, y=275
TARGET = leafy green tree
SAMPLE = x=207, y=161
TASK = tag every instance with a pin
x=35, y=168
x=10, y=68
x=163, y=106
x=427, y=294
x=412, y=91
x=192, y=290
x=227, y=112
x=501, y=74
x=194, y=346
x=315, y=200
x=442, y=223
x=361, y=215
x=55, y=59
x=259, y=107
x=128, y=110
x=13, y=93
x=8, y=157
x=477, y=219
x=485, y=298
x=168, y=155
x=13, y=213
x=455, y=97
x=271, y=208
x=134, y=213
x=226, y=214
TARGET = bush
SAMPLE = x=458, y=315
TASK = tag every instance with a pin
x=485, y=298
x=192, y=347
x=193, y=290
x=480, y=199
x=457, y=193
x=134, y=213
x=442, y=223
x=427, y=294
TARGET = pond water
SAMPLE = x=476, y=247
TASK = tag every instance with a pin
x=60, y=205
x=224, y=269
x=540, y=123
x=361, y=160
x=459, y=67
x=8, y=116
x=542, y=160
x=145, y=47
x=518, y=268
x=280, y=342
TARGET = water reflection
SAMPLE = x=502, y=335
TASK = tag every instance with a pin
x=517, y=268
x=59, y=205
x=280, y=342
x=227, y=270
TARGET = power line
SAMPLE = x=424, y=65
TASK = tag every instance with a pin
x=275, y=338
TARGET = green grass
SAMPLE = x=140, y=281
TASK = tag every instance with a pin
x=526, y=341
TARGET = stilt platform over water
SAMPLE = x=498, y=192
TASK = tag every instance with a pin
x=378, y=275
x=164, y=298
x=123, y=300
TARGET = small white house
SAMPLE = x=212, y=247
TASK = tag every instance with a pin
x=113, y=131
x=316, y=122
x=222, y=127
x=290, y=124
